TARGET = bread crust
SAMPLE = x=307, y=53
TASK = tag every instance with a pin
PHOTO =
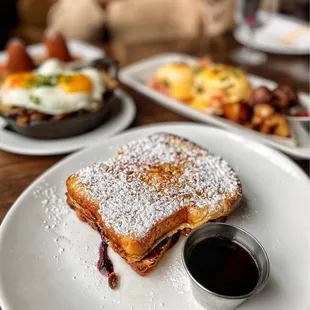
x=133, y=249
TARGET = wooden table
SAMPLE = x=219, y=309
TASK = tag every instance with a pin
x=18, y=171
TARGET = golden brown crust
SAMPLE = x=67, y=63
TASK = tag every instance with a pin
x=124, y=245
x=135, y=249
x=147, y=264
x=142, y=267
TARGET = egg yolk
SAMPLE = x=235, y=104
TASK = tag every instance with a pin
x=178, y=78
x=19, y=80
x=75, y=83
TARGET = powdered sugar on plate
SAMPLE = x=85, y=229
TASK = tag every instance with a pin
x=53, y=204
x=154, y=177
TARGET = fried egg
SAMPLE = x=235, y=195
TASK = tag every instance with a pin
x=51, y=66
x=178, y=79
x=53, y=90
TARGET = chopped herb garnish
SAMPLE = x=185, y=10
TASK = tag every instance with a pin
x=36, y=100
x=30, y=82
x=199, y=89
x=67, y=78
x=224, y=78
x=197, y=70
x=235, y=72
x=229, y=85
x=166, y=82
x=46, y=80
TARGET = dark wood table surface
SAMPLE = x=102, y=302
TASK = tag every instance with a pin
x=18, y=171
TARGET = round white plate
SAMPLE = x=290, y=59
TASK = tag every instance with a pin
x=119, y=119
x=269, y=42
x=48, y=257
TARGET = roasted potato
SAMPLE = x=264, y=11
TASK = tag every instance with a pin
x=281, y=105
x=286, y=93
x=263, y=110
x=275, y=124
x=260, y=95
x=237, y=112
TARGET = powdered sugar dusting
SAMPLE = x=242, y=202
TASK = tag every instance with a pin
x=152, y=178
x=53, y=204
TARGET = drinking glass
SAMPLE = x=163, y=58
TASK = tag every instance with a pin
x=253, y=14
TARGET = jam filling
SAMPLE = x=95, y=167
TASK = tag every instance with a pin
x=186, y=231
x=105, y=265
x=166, y=244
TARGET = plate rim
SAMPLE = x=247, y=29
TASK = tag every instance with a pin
x=126, y=77
x=69, y=157
x=130, y=112
x=238, y=35
x=5, y=304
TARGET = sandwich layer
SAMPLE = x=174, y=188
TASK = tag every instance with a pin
x=153, y=188
x=151, y=260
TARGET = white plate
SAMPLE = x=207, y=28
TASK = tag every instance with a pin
x=120, y=118
x=137, y=74
x=76, y=48
x=268, y=38
x=48, y=257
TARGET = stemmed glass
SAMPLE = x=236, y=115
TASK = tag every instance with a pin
x=253, y=14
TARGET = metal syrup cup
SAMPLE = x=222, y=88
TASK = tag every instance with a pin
x=214, y=301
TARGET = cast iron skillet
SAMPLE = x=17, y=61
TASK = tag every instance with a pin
x=75, y=125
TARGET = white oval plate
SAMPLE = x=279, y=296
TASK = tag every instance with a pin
x=119, y=119
x=48, y=257
x=136, y=76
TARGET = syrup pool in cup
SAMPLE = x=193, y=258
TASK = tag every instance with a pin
x=223, y=267
x=226, y=265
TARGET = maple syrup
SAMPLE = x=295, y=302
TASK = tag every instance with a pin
x=223, y=267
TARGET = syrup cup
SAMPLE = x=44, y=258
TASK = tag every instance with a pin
x=211, y=300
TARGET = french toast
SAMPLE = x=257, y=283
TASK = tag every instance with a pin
x=152, y=189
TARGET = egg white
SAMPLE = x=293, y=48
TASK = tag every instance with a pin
x=50, y=67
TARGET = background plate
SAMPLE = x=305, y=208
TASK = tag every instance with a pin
x=77, y=48
x=137, y=74
x=48, y=257
x=117, y=120
x=268, y=43
x=268, y=38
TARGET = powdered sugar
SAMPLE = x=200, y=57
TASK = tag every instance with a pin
x=54, y=205
x=154, y=177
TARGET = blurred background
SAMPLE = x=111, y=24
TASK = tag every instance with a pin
x=127, y=20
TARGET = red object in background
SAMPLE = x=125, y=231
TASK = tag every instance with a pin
x=57, y=47
x=18, y=58
x=251, y=21
x=302, y=114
